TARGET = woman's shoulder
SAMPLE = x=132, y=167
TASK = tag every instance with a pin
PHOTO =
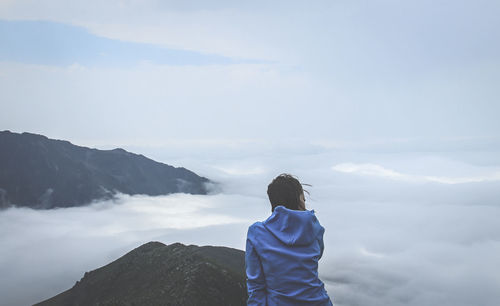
x=256, y=229
x=256, y=226
x=255, y=233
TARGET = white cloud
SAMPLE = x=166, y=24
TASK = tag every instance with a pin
x=370, y=170
x=241, y=171
x=379, y=171
x=462, y=180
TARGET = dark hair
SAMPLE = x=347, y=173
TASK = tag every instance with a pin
x=286, y=190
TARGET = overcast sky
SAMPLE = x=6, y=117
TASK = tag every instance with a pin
x=388, y=108
x=125, y=72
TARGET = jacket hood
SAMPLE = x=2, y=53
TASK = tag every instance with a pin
x=294, y=227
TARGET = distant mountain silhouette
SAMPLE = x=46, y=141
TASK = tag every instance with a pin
x=39, y=172
x=159, y=274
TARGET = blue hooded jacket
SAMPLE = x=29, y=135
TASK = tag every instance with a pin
x=282, y=256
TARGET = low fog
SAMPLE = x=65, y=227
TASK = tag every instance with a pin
x=403, y=227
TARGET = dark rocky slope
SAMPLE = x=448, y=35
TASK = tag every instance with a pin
x=158, y=274
x=39, y=172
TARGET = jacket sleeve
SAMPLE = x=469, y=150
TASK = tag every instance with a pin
x=321, y=247
x=321, y=243
x=256, y=284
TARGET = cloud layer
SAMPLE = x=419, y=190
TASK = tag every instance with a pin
x=389, y=241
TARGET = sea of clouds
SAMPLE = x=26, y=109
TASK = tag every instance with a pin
x=403, y=226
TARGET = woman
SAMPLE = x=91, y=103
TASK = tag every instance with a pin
x=282, y=252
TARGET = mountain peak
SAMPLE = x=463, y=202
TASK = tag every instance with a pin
x=159, y=274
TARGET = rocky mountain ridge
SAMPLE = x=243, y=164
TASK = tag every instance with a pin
x=44, y=173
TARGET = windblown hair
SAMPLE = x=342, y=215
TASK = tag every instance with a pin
x=285, y=190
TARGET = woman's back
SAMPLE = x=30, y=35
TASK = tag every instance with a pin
x=282, y=259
